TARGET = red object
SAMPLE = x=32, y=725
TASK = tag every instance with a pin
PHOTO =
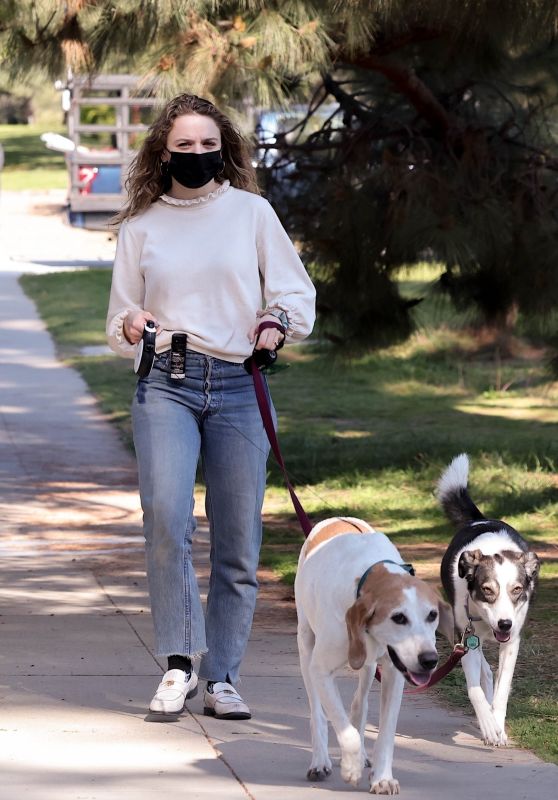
x=86, y=176
x=277, y=325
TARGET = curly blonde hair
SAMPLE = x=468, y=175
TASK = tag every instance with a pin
x=147, y=180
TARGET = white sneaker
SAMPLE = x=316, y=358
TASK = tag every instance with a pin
x=172, y=692
x=225, y=703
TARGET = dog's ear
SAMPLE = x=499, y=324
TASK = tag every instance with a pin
x=532, y=564
x=356, y=618
x=446, y=622
x=468, y=562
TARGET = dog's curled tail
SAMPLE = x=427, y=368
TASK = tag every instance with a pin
x=453, y=495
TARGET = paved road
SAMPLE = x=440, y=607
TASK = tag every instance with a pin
x=77, y=665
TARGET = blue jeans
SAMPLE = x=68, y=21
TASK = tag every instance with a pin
x=212, y=413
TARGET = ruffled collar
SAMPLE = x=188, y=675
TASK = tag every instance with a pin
x=197, y=201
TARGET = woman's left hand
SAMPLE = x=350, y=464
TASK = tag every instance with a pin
x=270, y=338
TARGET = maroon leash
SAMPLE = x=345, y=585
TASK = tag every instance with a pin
x=263, y=404
x=457, y=654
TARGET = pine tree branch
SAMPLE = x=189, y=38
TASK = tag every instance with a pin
x=41, y=31
x=348, y=102
x=406, y=82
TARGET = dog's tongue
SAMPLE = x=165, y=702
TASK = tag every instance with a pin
x=419, y=678
x=502, y=636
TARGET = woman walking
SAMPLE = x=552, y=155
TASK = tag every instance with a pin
x=201, y=253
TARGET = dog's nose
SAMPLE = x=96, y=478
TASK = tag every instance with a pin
x=505, y=625
x=428, y=660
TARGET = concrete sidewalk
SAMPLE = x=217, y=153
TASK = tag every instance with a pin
x=77, y=668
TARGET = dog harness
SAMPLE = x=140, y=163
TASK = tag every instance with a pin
x=407, y=567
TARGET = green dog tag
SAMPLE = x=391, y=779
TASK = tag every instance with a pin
x=472, y=642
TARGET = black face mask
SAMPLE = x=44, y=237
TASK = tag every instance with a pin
x=195, y=169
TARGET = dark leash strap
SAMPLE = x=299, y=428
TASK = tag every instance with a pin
x=457, y=654
x=267, y=419
x=263, y=404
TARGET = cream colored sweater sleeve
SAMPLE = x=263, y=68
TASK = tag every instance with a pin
x=286, y=285
x=127, y=292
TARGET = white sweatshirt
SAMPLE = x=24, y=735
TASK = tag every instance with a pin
x=206, y=267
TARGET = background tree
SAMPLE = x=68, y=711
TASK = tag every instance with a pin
x=441, y=142
x=465, y=176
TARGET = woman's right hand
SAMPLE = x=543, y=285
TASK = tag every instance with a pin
x=134, y=324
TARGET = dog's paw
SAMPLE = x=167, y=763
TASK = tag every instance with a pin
x=316, y=774
x=499, y=739
x=385, y=786
x=492, y=733
x=352, y=756
x=320, y=766
x=352, y=765
x=500, y=719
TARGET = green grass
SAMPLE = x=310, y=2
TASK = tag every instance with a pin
x=28, y=163
x=370, y=437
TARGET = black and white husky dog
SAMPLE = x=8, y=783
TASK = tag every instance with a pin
x=489, y=574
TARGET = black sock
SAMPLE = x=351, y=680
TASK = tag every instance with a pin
x=180, y=662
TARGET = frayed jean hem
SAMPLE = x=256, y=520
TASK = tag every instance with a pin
x=191, y=656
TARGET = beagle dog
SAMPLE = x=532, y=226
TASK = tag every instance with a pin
x=489, y=574
x=357, y=602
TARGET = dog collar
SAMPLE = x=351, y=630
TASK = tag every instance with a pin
x=407, y=567
x=469, y=617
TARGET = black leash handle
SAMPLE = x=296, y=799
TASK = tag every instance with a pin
x=145, y=352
